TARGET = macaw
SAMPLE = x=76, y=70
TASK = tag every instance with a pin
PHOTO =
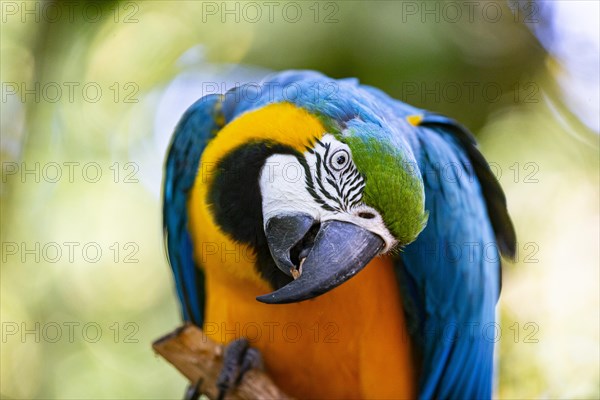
x=277, y=194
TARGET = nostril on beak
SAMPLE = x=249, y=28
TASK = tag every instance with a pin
x=366, y=215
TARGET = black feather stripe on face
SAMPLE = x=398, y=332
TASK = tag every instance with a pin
x=347, y=185
x=236, y=202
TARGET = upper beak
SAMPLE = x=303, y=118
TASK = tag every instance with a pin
x=319, y=257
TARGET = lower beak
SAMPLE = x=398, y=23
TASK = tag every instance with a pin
x=319, y=258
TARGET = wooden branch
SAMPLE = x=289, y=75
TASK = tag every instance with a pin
x=200, y=359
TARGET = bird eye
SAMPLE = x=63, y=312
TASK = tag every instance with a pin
x=339, y=160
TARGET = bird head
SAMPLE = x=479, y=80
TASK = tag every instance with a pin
x=315, y=200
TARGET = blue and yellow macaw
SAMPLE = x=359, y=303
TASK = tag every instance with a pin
x=275, y=195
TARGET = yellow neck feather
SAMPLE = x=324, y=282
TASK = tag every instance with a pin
x=283, y=123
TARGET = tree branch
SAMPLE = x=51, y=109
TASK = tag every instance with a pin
x=200, y=359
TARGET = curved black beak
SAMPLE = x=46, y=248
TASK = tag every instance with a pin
x=318, y=257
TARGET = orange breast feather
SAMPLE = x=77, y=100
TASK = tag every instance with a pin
x=348, y=343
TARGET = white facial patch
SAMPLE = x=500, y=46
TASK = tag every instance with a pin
x=324, y=184
x=283, y=189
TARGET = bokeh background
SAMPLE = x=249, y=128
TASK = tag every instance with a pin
x=91, y=92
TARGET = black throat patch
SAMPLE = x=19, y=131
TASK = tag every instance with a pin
x=236, y=202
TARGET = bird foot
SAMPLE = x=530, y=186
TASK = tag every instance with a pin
x=192, y=392
x=238, y=359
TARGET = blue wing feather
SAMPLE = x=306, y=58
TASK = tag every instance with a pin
x=456, y=262
x=191, y=135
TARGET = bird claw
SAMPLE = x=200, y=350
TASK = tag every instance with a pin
x=238, y=359
x=193, y=391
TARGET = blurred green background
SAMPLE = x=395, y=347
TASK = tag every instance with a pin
x=92, y=90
